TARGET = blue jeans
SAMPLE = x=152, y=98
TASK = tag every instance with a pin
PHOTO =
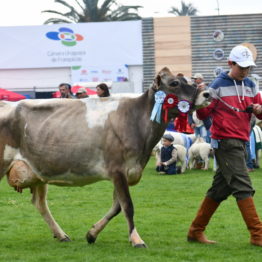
x=201, y=131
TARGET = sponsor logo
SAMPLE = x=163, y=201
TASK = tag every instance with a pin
x=66, y=36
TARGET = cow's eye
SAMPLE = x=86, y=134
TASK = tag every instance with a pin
x=174, y=83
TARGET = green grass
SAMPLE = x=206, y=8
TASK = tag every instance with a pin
x=164, y=209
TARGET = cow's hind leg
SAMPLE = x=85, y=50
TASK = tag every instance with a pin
x=100, y=225
x=127, y=207
x=40, y=202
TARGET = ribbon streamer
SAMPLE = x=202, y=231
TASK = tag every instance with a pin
x=156, y=112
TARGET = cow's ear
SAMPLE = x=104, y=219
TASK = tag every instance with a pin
x=165, y=71
x=157, y=82
x=165, y=75
x=162, y=76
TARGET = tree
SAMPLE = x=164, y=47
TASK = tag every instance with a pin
x=80, y=11
x=186, y=10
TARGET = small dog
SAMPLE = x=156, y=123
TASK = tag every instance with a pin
x=200, y=150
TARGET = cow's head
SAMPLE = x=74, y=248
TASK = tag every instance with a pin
x=165, y=81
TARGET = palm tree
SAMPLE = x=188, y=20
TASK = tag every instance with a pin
x=186, y=10
x=80, y=11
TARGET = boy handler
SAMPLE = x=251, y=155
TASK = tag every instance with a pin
x=230, y=110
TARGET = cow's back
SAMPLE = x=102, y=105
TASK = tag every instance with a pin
x=63, y=137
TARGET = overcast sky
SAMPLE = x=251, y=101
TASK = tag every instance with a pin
x=28, y=12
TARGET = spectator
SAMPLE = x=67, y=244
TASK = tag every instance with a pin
x=250, y=146
x=199, y=81
x=201, y=127
x=81, y=93
x=65, y=91
x=231, y=89
x=102, y=90
x=197, y=125
x=166, y=163
x=258, y=144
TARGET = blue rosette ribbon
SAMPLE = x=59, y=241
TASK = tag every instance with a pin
x=156, y=112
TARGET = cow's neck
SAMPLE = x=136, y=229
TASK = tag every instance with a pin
x=151, y=130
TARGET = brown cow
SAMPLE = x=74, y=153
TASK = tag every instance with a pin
x=41, y=142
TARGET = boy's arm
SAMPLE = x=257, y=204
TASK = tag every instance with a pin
x=257, y=106
x=205, y=112
x=172, y=159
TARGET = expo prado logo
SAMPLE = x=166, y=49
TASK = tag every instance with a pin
x=66, y=36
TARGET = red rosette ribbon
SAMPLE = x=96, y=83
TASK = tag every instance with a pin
x=183, y=121
x=170, y=101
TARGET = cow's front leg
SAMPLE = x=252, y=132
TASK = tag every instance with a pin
x=126, y=204
x=100, y=225
x=39, y=201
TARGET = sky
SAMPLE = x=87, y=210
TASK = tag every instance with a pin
x=28, y=12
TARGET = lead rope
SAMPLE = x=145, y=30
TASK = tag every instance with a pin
x=226, y=104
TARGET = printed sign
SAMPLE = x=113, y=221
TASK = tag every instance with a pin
x=99, y=74
x=66, y=45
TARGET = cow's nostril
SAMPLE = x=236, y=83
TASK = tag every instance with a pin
x=206, y=95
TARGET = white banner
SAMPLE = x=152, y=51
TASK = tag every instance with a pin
x=66, y=45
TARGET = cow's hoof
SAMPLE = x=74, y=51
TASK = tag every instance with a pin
x=90, y=238
x=65, y=239
x=140, y=245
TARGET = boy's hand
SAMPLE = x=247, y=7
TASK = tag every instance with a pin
x=257, y=109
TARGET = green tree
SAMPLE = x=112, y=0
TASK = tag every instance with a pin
x=80, y=11
x=186, y=10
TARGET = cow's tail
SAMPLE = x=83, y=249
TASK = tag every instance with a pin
x=8, y=147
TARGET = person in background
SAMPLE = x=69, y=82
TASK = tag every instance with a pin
x=258, y=143
x=201, y=127
x=102, y=90
x=81, y=93
x=230, y=130
x=198, y=80
x=250, y=146
x=198, y=125
x=166, y=163
x=65, y=91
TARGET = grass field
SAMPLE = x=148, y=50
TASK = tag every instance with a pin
x=164, y=209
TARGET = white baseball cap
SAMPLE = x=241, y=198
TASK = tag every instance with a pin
x=242, y=56
x=198, y=75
